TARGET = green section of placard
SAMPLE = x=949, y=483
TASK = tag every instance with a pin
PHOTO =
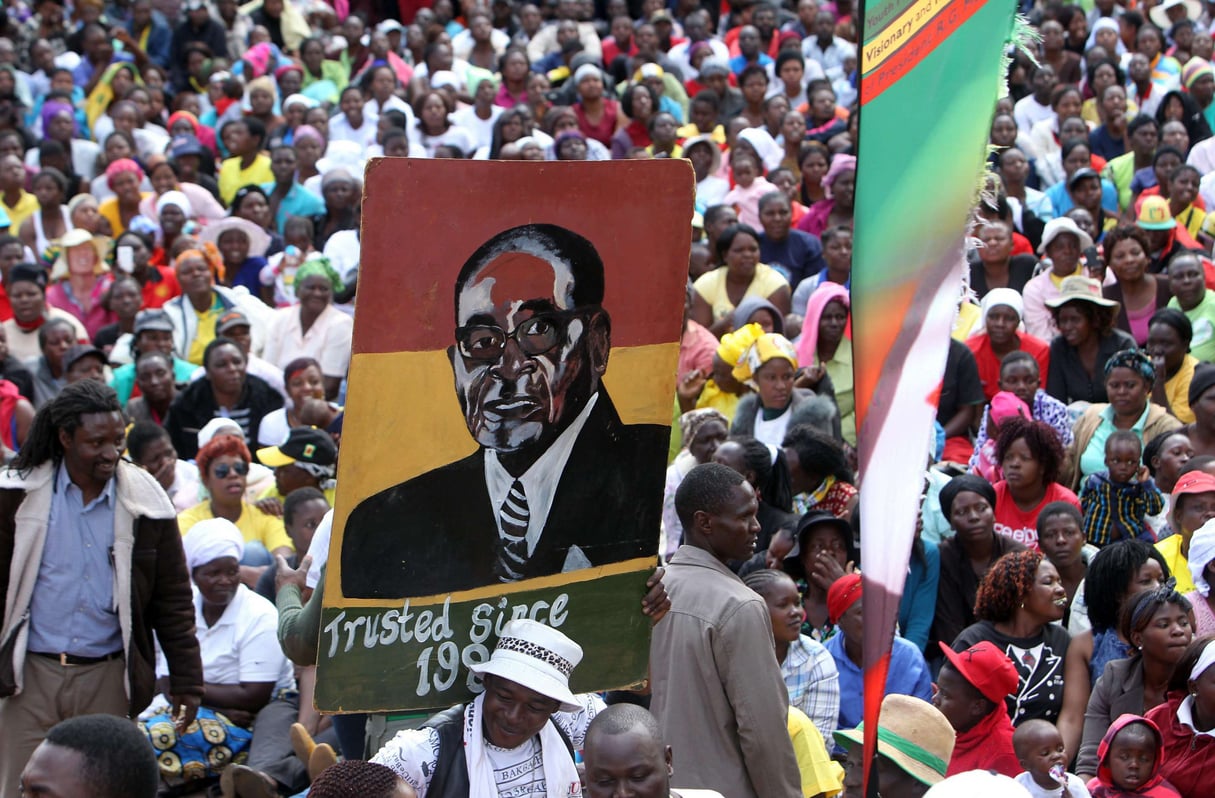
x=415, y=658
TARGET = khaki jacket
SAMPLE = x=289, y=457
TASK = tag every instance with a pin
x=718, y=691
x=151, y=584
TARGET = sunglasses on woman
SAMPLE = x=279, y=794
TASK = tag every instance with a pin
x=222, y=470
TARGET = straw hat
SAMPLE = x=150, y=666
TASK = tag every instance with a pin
x=912, y=734
x=74, y=238
x=1084, y=289
x=538, y=657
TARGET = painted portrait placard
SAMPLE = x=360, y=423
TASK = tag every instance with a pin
x=508, y=420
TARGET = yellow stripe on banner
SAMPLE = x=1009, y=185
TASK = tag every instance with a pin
x=893, y=36
x=403, y=418
x=634, y=565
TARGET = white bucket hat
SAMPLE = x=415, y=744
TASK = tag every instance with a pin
x=1057, y=227
x=538, y=657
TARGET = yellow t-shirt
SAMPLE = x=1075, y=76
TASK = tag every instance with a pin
x=24, y=209
x=253, y=524
x=109, y=209
x=205, y=333
x=1058, y=281
x=969, y=316
x=719, y=400
x=712, y=287
x=820, y=773
x=1178, y=390
x=1179, y=567
x=272, y=493
x=232, y=178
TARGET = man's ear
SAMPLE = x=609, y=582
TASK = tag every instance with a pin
x=666, y=754
x=599, y=340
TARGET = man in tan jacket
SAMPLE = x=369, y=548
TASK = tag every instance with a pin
x=718, y=692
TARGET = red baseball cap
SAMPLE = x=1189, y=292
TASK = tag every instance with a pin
x=1194, y=482
x=987, y=668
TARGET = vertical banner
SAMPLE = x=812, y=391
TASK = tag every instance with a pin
x=509, y=416
x=931, y=72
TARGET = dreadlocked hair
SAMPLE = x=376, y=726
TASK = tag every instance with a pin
x=353, y=778
x=1041, y=440
x=1005, y=584
x=64, y=413
x=763, y=580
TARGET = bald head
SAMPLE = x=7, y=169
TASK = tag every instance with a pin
x=624, y=750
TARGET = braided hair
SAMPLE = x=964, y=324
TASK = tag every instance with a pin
x=763, y=580
x=353, y=778
x=1004, y=586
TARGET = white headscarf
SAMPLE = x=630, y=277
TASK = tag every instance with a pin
x=1002, y=296
x=769, y=151
x=175, y=198
x=1105, y=23
x=210, y=540
x=1202, y=551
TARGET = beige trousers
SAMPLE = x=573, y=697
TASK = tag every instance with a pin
x=52, y=693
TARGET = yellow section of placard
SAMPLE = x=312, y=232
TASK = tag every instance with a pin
x=899, y=32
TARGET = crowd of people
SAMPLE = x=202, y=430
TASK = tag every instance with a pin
x=180, y=210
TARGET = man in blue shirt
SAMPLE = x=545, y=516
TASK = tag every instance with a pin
x=98, y=54
x=91, y=567
x=287, y=196
x=908, y=674
x=749, y=46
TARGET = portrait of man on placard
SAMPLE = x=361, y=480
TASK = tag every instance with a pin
x=558, y=483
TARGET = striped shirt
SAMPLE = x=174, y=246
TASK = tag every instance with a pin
x=1116, y=511
x=813, y=683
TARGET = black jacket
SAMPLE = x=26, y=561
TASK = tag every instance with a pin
x=195, y=406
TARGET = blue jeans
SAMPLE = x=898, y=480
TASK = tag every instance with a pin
x=256, y=554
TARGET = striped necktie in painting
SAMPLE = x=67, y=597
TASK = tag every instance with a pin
x=513, y=518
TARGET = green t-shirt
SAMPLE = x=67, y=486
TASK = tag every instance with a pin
x=1202, y=317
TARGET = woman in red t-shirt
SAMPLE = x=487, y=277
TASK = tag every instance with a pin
x=1030, y=455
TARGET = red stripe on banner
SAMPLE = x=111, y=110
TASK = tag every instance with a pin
x=875, y=689
x=920, y=47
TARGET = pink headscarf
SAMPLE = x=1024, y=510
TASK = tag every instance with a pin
x=258, y=58
x=840, y=163
x=807, y=347
x=118, y=167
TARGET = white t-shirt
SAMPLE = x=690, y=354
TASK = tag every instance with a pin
x=242, y=646
x=482, y=130
x=1075, y=787
x=1029, y=112
x=412, y=754
x=340, y=130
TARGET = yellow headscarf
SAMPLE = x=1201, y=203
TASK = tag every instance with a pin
x=769, y=346
x=733, y=344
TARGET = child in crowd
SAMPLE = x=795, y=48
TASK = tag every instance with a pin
x=1004, y=405
x=1040, y=751
x=1130, y=756
x=970, y=694
x=1117, y=502
x=278, y=275
x=750, y=185
x=808, y=669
